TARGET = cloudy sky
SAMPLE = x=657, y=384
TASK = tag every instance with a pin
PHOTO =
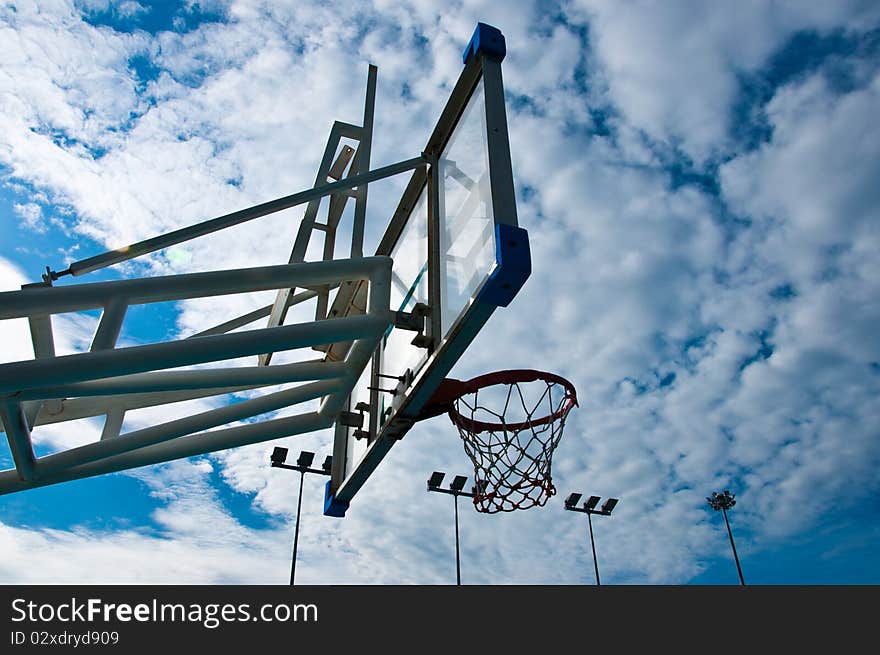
x=699, y=182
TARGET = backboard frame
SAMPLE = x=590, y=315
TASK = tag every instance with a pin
x=511, y=267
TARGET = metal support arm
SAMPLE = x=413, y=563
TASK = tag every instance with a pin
x=235, y=218
x=119, y=379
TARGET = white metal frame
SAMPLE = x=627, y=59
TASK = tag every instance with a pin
x=110, y=381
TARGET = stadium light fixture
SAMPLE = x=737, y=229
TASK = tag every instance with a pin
x=609, y=505
x=723, y=502
x=456, y=489
x=589, y=508
x=458, y=482
x=572, y=500
x=303, y=464
x=279, y=455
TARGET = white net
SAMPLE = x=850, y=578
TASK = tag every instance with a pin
x=510, y=423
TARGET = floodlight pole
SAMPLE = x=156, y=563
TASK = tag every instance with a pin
x=302, y=466
x=724, y=501
x=302, y=475
x=456, y=489
x=589, y=508
x=593, y=546
x=457, y=552
x=733, y=547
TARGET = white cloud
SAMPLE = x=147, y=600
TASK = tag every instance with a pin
x=14, y=334
x=815, y=181
x=672, y=67
x=31, y=215
x=197, y=543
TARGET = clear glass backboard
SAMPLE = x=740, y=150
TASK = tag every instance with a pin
x=457, y=255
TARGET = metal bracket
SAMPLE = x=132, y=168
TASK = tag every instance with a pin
x=49, y=276
x=351, y=419
x=422, y=340
x=399, y=427
x=355, y=419
x=403, y=383
x=393, y=392
x=409, y=321
x=415, y=321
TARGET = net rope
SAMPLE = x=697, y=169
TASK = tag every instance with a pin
x=512, y=457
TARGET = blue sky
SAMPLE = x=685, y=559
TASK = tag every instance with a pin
x=699, y=185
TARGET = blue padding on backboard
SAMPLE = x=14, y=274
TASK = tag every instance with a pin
x=333, y=507
x=487, y=40
x=514, y=266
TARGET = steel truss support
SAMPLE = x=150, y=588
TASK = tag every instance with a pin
x=109, y=380
x=360, y=166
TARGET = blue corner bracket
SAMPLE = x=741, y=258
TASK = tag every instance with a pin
x=487, y=40
x=333, y=507
x=514, y=265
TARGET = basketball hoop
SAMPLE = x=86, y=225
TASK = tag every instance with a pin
x=510, y=423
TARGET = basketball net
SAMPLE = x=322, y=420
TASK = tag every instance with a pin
x=510, y=434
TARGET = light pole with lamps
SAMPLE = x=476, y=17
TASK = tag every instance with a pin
x=456, y=489
x=303, y=462
x=724, y=501
x=589, y=508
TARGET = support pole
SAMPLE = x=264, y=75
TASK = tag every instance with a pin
x=302, y=475
x=593, y=545
x=733, y=546
x=457, y=553
x=19, y=436
x=363, y=165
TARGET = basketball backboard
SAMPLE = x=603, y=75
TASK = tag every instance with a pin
x=457, y=254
